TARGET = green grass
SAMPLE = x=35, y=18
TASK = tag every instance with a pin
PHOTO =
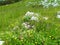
x=13, y=13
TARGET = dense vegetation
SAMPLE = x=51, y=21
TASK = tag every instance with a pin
x=28, y=23
x=4, y=2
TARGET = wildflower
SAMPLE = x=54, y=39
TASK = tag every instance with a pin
x=45, y=3
x=29, y=13
x=58, y=16
x=34, y=18
x=1, y=42
x=29, y=3
x=45, y=0
x=54, y=4
x=46, y=18
x=26, y=25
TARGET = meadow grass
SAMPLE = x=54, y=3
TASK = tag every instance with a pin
x=12, y=13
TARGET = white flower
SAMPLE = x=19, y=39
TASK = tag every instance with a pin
x=45, y=4
x=34, y=18
x=46, y=18
x=1, y=42
x=54, y=4
x=58, y=16
x=29, y=13
x=26, y=25
x=55, y=0
x=45, y=0
x=29, y=3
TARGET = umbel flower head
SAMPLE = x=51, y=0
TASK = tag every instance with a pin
x=27, y=25
x=58, y=14
x=31, y=16
x=29, y=19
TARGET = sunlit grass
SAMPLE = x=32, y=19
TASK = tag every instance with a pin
x=12, y=15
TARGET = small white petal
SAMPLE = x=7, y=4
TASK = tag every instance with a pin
x=1, y=42
x=45, y=0
x=58, y=16
x=46, y=18
x=34, y=18
x=29, y=13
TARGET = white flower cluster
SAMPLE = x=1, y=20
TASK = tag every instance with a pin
x=46, y=18
x=46, y=4
x=27, y=25
x=1, y=42
x=32, y=17
x=58, y=14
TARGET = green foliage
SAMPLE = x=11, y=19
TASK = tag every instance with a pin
x=45, y=32
x=4, y=2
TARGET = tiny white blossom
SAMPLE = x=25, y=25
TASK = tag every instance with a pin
x=45, y=0
x=24, y=24
x=27, y=26
x=34, y=18
x=55, y=4
x=1, y=42
x=46, y=18
x=58, y=16
x=29, y=13
x=29, y=3
x=45, y=4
